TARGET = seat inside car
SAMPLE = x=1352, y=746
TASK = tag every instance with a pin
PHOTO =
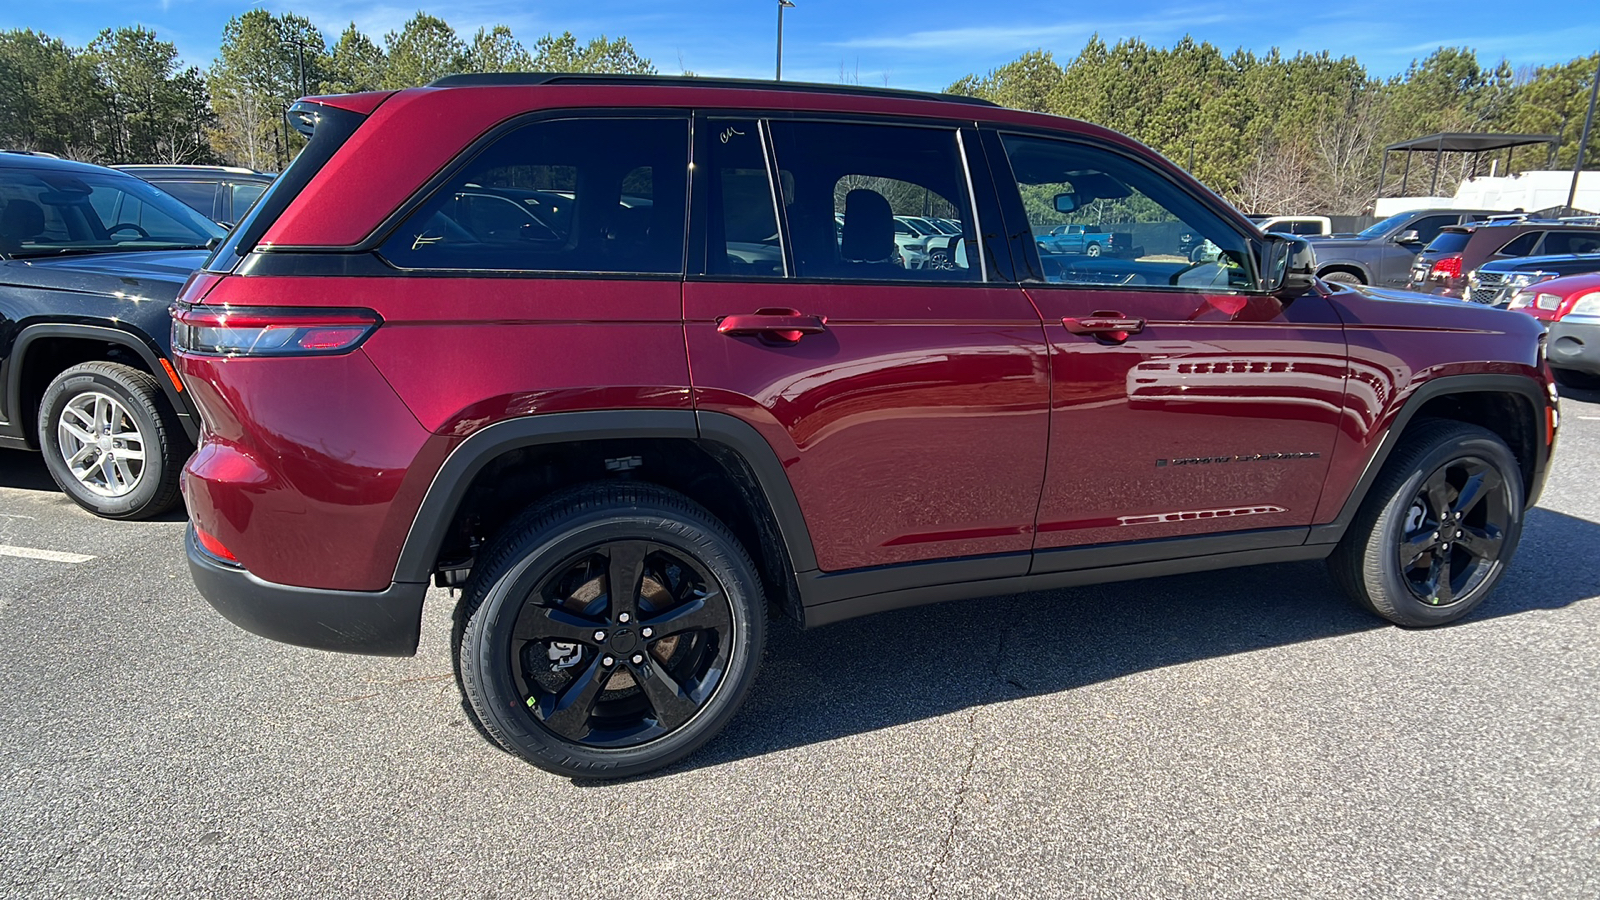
x=20, y=221
x=868, y=239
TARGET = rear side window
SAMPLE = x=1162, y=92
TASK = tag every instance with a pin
x=1561, y=243
x=742, y=230
x=843, y=185
x=565, y=195
x=1521, y=245
x=200, y=196
x=245, y=195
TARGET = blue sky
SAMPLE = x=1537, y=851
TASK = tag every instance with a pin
x=922, y=44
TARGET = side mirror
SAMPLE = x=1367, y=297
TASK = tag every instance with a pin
x=1066, y=203
x=1289, y=266
x=1409, y=236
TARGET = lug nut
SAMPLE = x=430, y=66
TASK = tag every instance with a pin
x=599, y=635
x=624, y=618
x=648, y=631
x=1447, y=546
x=638, y=658
x=607, y=661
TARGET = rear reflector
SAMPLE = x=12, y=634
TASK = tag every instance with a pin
x=269, y=331
x=213, y=546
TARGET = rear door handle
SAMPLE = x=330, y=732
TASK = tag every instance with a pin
x=788, y=325
x=1113, y=325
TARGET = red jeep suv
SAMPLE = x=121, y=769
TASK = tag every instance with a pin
x=633, y=361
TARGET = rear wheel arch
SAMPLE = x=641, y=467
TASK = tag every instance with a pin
x=1511, y=406
x=1357, y=271
x=716, y=460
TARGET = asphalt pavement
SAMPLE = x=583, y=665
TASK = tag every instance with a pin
x=1233, y=734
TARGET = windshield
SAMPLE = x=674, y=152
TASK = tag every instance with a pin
x=45, y=212
x=1386, y=226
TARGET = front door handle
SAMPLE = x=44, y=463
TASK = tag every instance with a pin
x=1111, y=325
x=787, y=325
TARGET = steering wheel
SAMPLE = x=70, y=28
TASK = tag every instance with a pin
x=128, y=226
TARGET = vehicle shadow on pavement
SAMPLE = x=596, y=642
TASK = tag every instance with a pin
x=895, y=668
x=25, y=471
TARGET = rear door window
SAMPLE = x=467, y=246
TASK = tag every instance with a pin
x=1562, y=243
x=200, y=196
x=583, y=195
x=844, y=184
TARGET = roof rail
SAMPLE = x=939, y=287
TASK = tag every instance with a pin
x=520, y=79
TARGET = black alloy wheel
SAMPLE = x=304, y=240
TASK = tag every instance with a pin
x=1454, y=531
x=1437, y=529
x=621, y=644
x=611, y=630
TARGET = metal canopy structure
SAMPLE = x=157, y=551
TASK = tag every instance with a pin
x=1459, y=142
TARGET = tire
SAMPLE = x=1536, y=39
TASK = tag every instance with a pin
x=1092, y=250
x=1449, y=499
x=114, y=407
x=1342, y=278
x=558, y=672
x=1572, y=378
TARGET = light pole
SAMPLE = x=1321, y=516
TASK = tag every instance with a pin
x=299, y=58
x=782, y=5
x=1583, y=144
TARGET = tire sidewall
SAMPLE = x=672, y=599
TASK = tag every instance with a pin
x=55, y=400
x=487, y=653
x=1390, y=527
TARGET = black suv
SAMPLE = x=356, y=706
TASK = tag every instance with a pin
x=221, y=193
x=90, y=260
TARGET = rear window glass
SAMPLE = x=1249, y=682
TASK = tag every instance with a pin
x=568, y=195
x=1449, y=242
x=199, y=196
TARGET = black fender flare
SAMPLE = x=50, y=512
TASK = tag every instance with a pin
x=1527, y=388
x=105, y=334
x=449, y=487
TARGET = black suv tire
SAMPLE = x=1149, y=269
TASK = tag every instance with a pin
x=1431, y=539
x=561, y=673
x=129, y=482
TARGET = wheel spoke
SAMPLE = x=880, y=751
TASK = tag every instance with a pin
x=1478, y=484
x=1483, y=543
x=1439, y=589
x=671, y=705
x=125, y=475
x=77, y=459
x=129, y=453
x=77, y=432
x=1440, y=495
x=87, y=473
x=624, y=575
x=544, y=623
x=695, y=614
x=567, y=713
x=1419, y=545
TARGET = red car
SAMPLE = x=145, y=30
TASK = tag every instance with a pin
x=632, y=362
x=1570, y=309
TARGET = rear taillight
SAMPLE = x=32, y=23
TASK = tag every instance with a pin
x=1446, y=267
x=270, y=331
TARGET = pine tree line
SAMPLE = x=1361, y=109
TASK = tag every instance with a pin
x=126, y=97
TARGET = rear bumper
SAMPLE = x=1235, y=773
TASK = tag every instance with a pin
x=1574, y=343
x=383, y=623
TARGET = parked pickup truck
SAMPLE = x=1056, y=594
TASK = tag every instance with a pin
x=1076, y=239
x=1383, y=253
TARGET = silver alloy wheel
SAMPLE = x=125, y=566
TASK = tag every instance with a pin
x=101, y=444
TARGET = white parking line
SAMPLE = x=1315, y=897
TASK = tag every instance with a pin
x=51, y=555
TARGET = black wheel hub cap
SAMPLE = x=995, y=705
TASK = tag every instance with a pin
x=621, y=644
